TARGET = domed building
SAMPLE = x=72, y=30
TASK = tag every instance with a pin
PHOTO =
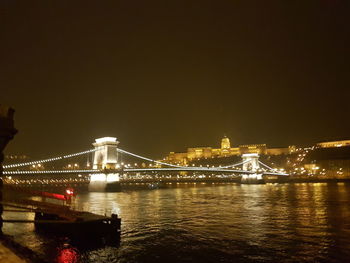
x=204, y=152
x=225, y=150
x=225, y=143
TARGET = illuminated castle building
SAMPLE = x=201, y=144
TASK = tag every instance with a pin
x=225, y=151
x=332, y=144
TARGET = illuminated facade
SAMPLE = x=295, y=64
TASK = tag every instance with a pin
x=225, y=151
x=225, y=143
x=253, y=148
x=332, y=144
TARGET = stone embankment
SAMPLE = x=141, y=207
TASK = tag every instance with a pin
x=7, y=131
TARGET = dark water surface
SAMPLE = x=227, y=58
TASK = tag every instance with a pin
x=213, y=223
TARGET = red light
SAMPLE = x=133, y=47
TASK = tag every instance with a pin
x=68, y=255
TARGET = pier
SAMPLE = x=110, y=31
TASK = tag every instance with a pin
x=58, y=218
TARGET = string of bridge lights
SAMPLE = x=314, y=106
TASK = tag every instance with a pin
x=49, y=160
x=178, y=166
x=148, y=159
x=118, y=150
x=49, y=172
x=200, y=169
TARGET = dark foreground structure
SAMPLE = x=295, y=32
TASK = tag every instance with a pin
x=7, y=132
x=50, y=217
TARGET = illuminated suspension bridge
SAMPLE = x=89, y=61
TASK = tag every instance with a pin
x=108, y=167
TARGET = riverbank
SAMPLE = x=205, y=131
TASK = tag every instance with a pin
x=8, y=256
x=13, y=252
x=155, y=183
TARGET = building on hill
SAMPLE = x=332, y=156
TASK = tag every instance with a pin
x=197, y=153
x=225, y=143
x=333, y=144
x=253, y=148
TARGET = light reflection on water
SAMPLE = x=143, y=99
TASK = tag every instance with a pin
x=225, y=223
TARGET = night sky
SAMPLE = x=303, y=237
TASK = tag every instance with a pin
x=166, y=75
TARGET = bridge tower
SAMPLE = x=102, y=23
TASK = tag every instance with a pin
x=106, y=156
x=105, y=160
x=251, y=162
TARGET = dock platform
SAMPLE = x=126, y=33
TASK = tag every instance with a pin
x=51, y=217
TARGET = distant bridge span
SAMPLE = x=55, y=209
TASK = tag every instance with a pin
x=185, y=169
x=198, y=169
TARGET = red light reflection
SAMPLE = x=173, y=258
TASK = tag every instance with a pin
x=68, y=255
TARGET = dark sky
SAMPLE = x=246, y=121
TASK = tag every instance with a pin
x=166, y=75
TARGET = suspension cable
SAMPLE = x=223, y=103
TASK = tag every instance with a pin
x=49, y=160
x=236, y=164
x=121, y=151
x=148, y=159
x=173, y=165
x=50, y=172
x=268, y=167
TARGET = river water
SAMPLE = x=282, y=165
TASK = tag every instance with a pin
x=212, y=223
